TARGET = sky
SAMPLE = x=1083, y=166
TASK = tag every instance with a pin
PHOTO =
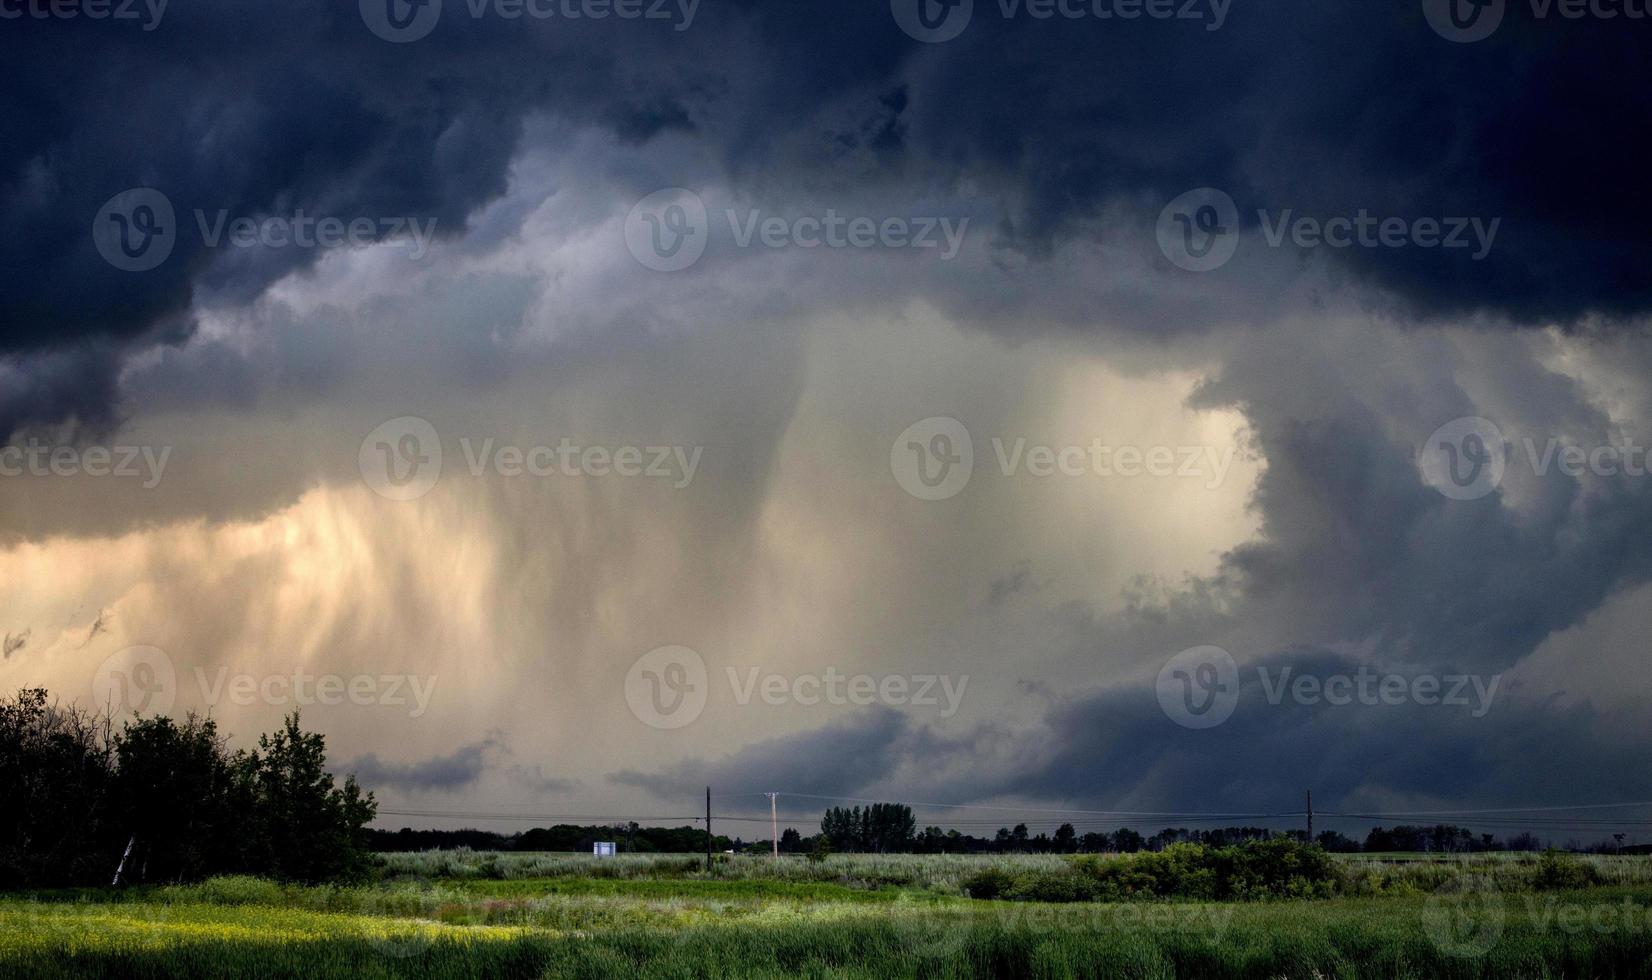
x=1128, y=408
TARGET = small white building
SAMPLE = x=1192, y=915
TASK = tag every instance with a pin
x=603, y=848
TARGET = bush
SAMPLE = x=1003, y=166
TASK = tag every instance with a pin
x=1556, y=872
x=989, y=883
x=1278, y=868
x=229, y=890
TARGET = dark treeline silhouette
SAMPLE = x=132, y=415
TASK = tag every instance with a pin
x=888, y=828
x=628, y=838
x=165, y=801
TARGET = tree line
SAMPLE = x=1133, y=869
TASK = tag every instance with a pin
x=628, y=838
x=162, y=800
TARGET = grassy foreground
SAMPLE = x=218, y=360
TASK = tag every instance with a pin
x=755, y=920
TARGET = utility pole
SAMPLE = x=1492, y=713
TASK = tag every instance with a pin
x=774, y=823
x=708, y=830
x=1310, y=816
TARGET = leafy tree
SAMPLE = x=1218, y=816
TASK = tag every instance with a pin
x=308, y=829
x=173, y=800
x=55, y=768
x=1094, y=843
x=1066, y=839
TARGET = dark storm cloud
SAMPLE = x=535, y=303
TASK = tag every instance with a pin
x=844, y=756
x=455, y=771
x=1324, y=109
x=1355, y=548
x=1116, y=748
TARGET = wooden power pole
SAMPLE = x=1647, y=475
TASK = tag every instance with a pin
x=708, y=830
x=774, y=823
x=1310, y=816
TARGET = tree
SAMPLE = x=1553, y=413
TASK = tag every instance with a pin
x=790, y=841
x=1066, y=839
x=1094, y=843
x=172, y=800
x=307, y=829
x=1127, y=841
x=55, y=768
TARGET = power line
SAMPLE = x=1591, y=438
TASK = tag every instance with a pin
x=1514, y=809
x=1028, y=809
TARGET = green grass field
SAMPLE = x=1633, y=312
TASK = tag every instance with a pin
x=479, y=915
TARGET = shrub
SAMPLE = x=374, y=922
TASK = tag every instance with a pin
x=1556, y=871
x=989, y=883
x=1278, y=868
